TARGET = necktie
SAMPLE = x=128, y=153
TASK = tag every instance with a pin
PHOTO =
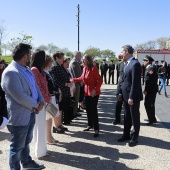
x=125, y=66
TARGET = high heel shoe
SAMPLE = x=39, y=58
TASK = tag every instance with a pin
x=96, y=134
x=58, y=130
x=88, y=128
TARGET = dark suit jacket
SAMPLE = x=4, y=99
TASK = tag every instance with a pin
x=131, y=82
x=104, y=68
x=120, y=67
x=151, y=80
x=111, y=67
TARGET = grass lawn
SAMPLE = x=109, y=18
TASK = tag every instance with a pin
x=8, y=59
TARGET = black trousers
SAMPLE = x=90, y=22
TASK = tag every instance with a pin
x=117, y=76
x=131, y=117
x=92, y=113
x=67, y=111
x=111, y=75
x=103, y=74
x=118, y=110
x=150, y=106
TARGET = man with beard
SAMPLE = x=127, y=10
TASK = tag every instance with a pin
x=24, y=100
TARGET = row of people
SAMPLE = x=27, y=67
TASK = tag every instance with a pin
x=30, y=83
x=129, y=92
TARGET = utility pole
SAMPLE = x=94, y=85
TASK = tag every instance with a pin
x=78, y=20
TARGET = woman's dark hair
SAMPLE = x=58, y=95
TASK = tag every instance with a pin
x=58, y=54
x=38, y=60
x=89, y=60
x=20, y=50
x=47, y=60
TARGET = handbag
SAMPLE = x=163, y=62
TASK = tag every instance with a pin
x=51, y=109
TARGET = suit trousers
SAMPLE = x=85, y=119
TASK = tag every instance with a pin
x=76, y=96
x=111, y=75
x=131, y=117
x=92, y=113
x=150, y=106
x=103, y=74
x=39, y=134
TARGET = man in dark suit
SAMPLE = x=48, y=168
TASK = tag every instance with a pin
x=119, y=103
x=104, y=68
x=151, y=88
x=131, y=94
x=111, y=71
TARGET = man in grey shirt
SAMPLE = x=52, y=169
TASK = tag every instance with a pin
x=76, y=71
x=24, y=100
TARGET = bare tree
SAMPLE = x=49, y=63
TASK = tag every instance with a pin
x=2, y=34
x=162, y=42
x=24, y=38
x=52, y=48
x=42, y=47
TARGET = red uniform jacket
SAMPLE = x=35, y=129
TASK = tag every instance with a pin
x=91, y=79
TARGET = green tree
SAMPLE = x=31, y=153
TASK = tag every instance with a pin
x=69, y=54
x=94, y=52
x=52, y=48
x=107, y=54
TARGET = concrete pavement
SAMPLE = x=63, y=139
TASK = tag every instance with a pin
x=80, y=150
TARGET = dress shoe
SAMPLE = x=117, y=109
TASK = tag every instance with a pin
x=96, y=135
x=33, y=165
x=116, y=122
x=88, y=128
x=123, y=138
x=133, y=143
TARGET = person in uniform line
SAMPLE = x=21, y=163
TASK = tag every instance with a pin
x=111, y=71
x=104, y=68
x=150, y=89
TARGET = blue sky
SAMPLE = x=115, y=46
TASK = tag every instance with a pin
x=105, y=24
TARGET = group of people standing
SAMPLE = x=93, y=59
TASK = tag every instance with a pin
x=33, y=81
x=129, y=92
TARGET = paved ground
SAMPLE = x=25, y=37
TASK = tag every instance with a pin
x=79, y=150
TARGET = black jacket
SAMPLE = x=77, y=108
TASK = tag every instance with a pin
x=151, y=79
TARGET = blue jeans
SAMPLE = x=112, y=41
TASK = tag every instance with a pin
x=21, y=136
x=162, y=80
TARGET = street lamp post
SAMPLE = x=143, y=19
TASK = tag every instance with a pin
x=78, y=20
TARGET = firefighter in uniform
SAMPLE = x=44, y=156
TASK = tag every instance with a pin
x=150, y=90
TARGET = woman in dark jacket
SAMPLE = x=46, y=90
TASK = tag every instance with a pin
x=62, y=80
x=162, y=73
